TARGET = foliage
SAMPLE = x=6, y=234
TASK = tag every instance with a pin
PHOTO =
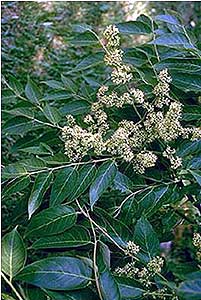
x=94, y=226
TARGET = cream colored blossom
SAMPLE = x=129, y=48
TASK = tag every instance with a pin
x=129, y=270
x=162, y=89
x=197, y=240
x=196, y=133
x=197, y=244
x=132, y=248
x=164, y=76
x=138, y=95
x=144, y=160
x=111, y=34
x=155, y=265
x=121, y=74
x=175, y=161
x=114, y=57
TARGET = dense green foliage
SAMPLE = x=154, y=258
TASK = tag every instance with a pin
x=78, y=226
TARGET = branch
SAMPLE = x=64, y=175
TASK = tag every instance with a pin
x=11, y=286
x=94, y=258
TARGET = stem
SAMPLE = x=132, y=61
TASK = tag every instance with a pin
x=117, y=211
x=99, y=227
x=102, y=45
x=189, y=40
x=11, y=286
x=39, y=121
x=154, y=37
x=63, y=166
x=162, y=277
x=94, y=258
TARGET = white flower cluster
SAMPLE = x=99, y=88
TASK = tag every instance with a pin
x=175, y=161
x=132, y=249
x=155, y=265
x=164, y=294
x=113, y=99
x=197, y=244
x=158, y=120
x=128, y=138
x=165, y=126
x=121, y=72
x=138, y=95
x=143, y=160
x=162, y=89
x=196, y=133
x=79, y=141
x=145, y=274
x=129, y=270
x=111, y=34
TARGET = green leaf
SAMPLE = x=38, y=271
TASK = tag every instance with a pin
x=185, y=65
x=13, y=253
x=191, y=113
x=32, y=291
x=40, y=186
x=23, y=167
x=56, y=96
x=175, y=40
x=51, y=221
x=19, y=184
x=69, y=84
x=168, y=19
x=190, y=289
x=57, y=273
x=64, y=186
x=116, y=228
x=130, y=292
x=84, y=39
x=52, y=114
x=7, y=297
x=147, y=239
x=75, y=108
x=89, y=62
x=183, y=271
x=32, y=92
x=189, y=148
x=82, y=294
x=57, y=159
x=14, y=170
x=8, y=96
x=15, y=85
x=194, y=163
x=149, y=202
x=196, y=175
x=134, y=27
x=58, y=85
x=18, y=125
x=103, y=257
x=122, y=183
x=77, y=236
x=42, y=149
x=81, y=28
x=186, y=82
x=109, y=287
x=85, y=176
x=103, y=180
x=22, y=111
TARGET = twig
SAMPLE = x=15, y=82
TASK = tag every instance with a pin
x=94, y=258
x=99, y=227
x=61, y=167
x=154, y=37
x=11, y=286
x=117, y=211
